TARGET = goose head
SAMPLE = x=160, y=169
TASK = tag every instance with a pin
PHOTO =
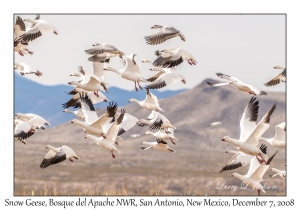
x=234, y=175
x=143, y=142
x=226, y=139
x=96, y=44
x=72, y=83
x=76, y=74
x=278, y=67
x=156, y=26
x=228, y=151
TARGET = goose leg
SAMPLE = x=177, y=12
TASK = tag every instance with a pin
x=189, y=61
x=193, y=62
x=96, y=93
x=135, y=87
x=71, y=160
x=20, y=53
x=173, y=142
x=139, y=85
x=183, y=81
x=263, y=159
x=75, y=157
x=259, y=160
x=258, y=192
x=112, y=154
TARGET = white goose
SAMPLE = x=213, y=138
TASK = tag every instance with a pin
x=102, y=52
x=20, y=29
x=255, y=174
x=26, y=69
x=165, y=77
x=94, y=124
x=160, y=145
x=160, y=134
x=111, y=135
x=75, y=100
x=57, y=155
x=39, y=28
x=92, y=84
x=279, y=139
x=78, y=112
x=164, y=33
x=278, y=172
x=281, y=77
x=36, y=120
x=132, y=71
x=238, y=84
x=156, y=121
x=23, y=130
x=173, y=57
x=250, y=132
x=150, y=102
x=238, y=160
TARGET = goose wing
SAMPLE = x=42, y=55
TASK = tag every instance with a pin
x=249, y=119
x=237, y=161
x=88, y=109
x=105, y=118
x=20, y=27
x=47, y=159
x=163, y=34
x=164, y=80
x=280, y=132
x=281, y=77
x=128, y=122
x=112, y=133
x=261, y=127
x=261, y=169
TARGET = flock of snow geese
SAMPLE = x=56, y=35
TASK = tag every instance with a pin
x=106, y=130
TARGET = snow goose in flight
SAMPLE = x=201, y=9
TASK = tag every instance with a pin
x=160, y=134
x=26, y=69
x=250, y=132
x=36, y=120
x=92, y=84
x=281, y=77
x=57, y=155
x=173, y=57
x=94, y=124
x=39, y=28
x=240, y=159
x=78, y=112
x=111, y=135
x=20, y=29
x=255, y=174
x=23, y=130
x=278, y=172
x=156, y=121
x=279, y=139
x=75, y=100
x=102, y=52
x=164, y=33
x=164, y=78
x=238, y=84
x=97, y=72
x=160, y=145
x=150, y=102
x=132, y=71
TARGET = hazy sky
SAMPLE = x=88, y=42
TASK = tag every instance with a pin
x=244, y=46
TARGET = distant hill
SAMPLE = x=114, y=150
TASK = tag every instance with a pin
x=31, y=97
x=199, y=152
